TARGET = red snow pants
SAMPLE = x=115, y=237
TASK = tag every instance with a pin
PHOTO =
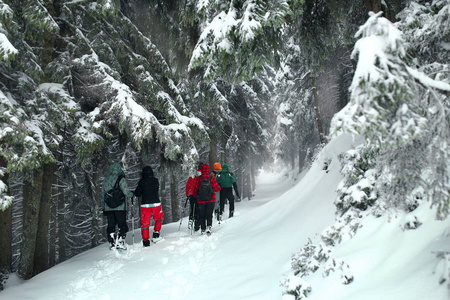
x=146, y=214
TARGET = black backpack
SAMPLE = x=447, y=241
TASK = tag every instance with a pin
x=205, y=190
x=115, y=197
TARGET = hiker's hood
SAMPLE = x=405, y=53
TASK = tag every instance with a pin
x=115, y=169
x=224, y=167
x=206, y=172
x=147, y=172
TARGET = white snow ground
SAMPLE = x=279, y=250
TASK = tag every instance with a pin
x=248, y=256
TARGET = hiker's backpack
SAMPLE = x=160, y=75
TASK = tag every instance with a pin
x=205, y=190
x=115, y=197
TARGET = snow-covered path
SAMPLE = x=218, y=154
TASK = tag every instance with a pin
x=245, y=257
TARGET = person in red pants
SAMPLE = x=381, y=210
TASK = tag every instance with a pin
x=148, y=189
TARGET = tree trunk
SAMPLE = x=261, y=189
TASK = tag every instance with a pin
x=253, y=176
x=61, y=224
x=301, y=158
x=373, y=5
x=96, y=215
x=174, y=193
x=5, y=234
x=226, y=133
x=5, y=244
x=164, y=201
x=53, y=232
x=240, y=181
x=212, y=150
x=31, y=206
x=248, y=186
x=41, y=255
x=316, y=108
x=390, y=10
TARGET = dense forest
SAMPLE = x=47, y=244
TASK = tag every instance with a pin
x=250, y=83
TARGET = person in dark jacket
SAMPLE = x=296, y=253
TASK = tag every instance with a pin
x=227, y=182
x=118, y=215
x=205, y=207
x=148, y=189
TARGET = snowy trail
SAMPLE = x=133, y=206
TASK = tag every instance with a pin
x=246, y=257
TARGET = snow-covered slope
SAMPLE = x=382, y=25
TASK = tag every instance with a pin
x=248, y=255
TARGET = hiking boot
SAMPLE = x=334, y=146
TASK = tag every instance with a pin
x=231, y=214
x=208, y=230
x=121, y=243
x=146, y=243
x=190, y=224
x=112, y=240
x=156, y=238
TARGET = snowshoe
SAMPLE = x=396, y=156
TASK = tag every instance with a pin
x=156, y=237
x=120, y=244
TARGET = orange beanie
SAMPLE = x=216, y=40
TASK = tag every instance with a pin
x=217, y=167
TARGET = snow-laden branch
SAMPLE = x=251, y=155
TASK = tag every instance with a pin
x=426, y=81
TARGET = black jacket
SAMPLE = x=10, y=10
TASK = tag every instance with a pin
x=148, y=187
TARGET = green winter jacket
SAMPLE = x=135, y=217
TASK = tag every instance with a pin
x=114, y=171
x=225, y=179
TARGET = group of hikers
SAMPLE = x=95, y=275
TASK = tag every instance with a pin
x=208, y=192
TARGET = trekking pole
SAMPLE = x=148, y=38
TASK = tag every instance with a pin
x=218, y=213
x=193, y=216
x=132, y=216
x=182, y=215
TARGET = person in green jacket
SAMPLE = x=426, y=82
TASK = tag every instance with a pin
x=118, y=215
x=227, y=182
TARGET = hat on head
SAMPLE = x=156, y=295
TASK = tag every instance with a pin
x=217, y=167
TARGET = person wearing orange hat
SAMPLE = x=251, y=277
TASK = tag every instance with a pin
x=216, y=170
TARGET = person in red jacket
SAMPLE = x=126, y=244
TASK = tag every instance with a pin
x=205, y=207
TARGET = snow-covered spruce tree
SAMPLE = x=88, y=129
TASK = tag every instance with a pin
x=238, y=38
x=8, y=127
x=422, y=24
x=388, y=108
x=308, y=80
x=30, y=148
x=295, y=132
x=232, y=71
